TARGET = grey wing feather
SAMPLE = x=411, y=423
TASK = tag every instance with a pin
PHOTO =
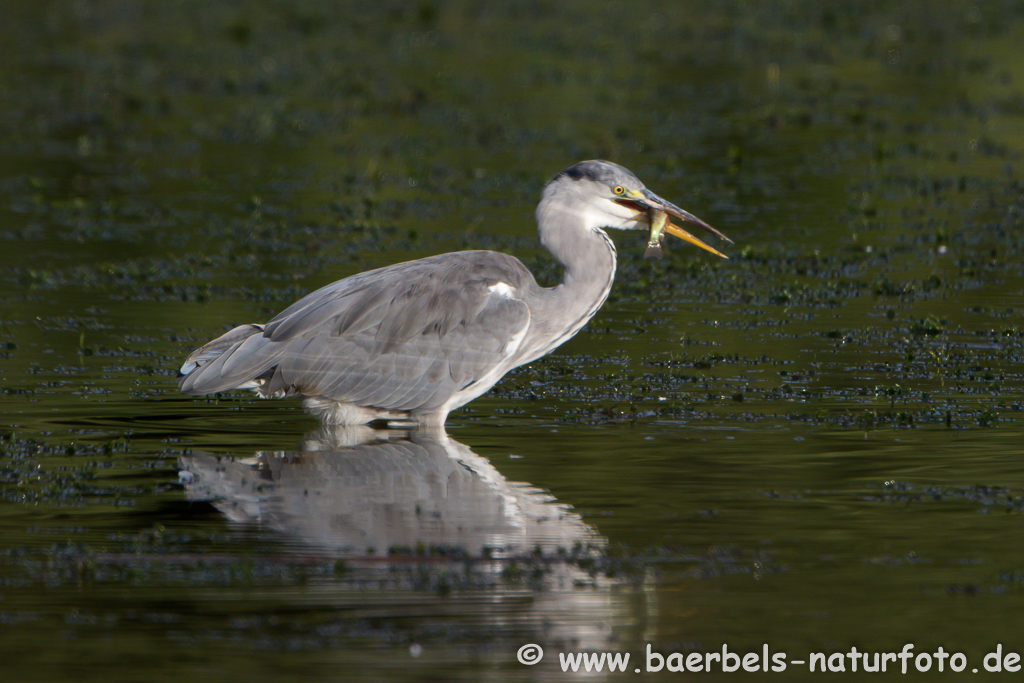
x=203, y=371
x=405, y=337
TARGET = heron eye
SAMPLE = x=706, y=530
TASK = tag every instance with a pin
x=618, y=189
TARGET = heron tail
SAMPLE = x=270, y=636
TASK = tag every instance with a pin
x=238, y=359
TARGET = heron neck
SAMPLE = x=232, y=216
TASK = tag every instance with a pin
x=586, y=253
x=588, y=256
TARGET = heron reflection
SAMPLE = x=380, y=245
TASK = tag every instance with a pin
x=363, y=492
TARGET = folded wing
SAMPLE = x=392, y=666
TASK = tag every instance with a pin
x=406, y=337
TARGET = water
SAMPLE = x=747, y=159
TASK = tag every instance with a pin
x=814, y=445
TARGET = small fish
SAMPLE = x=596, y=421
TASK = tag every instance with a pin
x=658, y=220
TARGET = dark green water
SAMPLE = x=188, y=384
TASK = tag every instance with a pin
x=815, y=444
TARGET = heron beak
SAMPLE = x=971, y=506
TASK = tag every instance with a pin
x=644, y=200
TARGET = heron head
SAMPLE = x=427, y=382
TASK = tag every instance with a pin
x=607, y=195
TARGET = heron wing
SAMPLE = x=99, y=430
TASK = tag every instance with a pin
x=405, y=337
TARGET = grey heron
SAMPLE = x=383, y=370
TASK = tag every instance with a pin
x=410, y=342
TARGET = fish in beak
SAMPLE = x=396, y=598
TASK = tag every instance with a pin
x=660, y=212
